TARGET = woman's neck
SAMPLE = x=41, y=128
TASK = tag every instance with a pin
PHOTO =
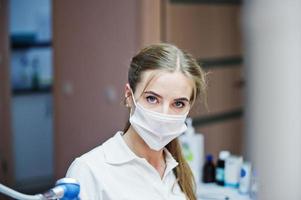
x=141, y=149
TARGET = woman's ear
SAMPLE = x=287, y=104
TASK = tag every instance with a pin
x=127, y=90
x=128, y=94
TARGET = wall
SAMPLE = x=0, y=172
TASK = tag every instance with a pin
x=93, y=43
x=274, y=97
x=6, y=161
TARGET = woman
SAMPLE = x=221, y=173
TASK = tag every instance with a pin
x=144, y=162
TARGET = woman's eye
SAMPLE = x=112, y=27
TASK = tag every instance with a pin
x=179, y=104
x=152, y=99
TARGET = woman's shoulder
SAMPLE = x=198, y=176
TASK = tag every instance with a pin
x=87, y=161
x=96, y=156
x=90, y=169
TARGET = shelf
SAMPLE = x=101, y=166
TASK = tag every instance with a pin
x=31, y=91
x=25, y=41
x=209, y=2
x=221, y=117
x=222, y=62
x=26, y=45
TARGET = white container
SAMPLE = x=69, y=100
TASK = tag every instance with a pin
x=245, y=178
x=193, y=149
x=232, y=171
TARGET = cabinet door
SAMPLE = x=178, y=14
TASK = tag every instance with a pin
x=211, y=32
x=32, y=139
x=205, y=30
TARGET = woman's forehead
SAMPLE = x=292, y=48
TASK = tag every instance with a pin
x=174, y=84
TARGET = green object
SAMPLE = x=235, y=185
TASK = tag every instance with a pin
x=187, y=152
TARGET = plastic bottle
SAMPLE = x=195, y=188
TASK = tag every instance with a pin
x=193, y=150
x=220, y=168
x=254, y=185
x=245, y=178
x=232, y=171
x=209, y=170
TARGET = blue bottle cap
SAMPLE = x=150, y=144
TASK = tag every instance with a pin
x=243, y=173
x=209, y=157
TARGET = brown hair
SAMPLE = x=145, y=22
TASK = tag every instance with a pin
x=170, y=58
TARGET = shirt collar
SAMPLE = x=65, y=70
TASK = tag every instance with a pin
x=171, y=163
x=116, y=151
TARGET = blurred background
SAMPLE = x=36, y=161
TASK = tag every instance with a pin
x=63, y=69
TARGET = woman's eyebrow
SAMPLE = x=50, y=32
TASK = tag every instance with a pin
x=182, y=99
x=157, y=95
x=153, y=93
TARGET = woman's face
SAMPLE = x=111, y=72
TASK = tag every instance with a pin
x=164, y=92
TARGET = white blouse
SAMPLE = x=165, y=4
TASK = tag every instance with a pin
x=112, y=171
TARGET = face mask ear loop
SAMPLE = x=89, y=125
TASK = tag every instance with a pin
x=134, y=101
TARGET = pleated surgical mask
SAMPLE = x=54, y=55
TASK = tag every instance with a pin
x=156, y=129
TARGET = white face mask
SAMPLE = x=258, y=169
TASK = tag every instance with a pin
x=156, y=129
